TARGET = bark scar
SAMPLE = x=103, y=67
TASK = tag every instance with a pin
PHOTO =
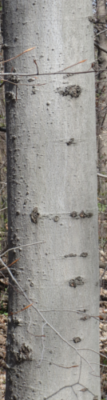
x=71, y=90
x=70, y=255
x=76, y=339
x=70, y=141
x=10, y=96
x=34, y=215
x=75, y=282
x=82, y=214
x=24, y=354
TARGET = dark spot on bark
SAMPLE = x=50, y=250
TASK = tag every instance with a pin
x=85, y=318
x=76, y=340
x=14, y=137
x=70, y=255
x=15, y=39
x=91, y=19
x=89, y=215
x=25, y=202
x=34, y=215
x=5, y=46
x=17, y=212
x=83, y=254
x=15, y=321
x=82, y=214
x=56, y=218
x=73, y=214
x=31, y=284
x=72, y=283
x=70, y=141
x=71, y=90
x=77, y=281
x=10, y=96
x=24, y=354
x=31, y=80
x=14, y=79
x=85, y=214
x=33, y=90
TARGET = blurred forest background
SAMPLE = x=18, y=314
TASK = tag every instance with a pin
x=99, y=65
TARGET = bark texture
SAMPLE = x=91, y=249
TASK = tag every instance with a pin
x=52, y=196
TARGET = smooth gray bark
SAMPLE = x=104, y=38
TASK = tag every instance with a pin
x=49, y=171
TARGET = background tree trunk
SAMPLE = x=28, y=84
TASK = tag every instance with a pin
x=101, y=38
x=52, y=197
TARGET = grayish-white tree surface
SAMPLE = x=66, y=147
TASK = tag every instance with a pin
x=52, y=202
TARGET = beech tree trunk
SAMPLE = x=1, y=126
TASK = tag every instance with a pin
x=52, y=202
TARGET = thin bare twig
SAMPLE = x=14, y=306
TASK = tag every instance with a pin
x=19, y=247
x=2, y=209
x=102, y=176
x=46, y=73
x=13, y=58
x=99, y=33
x=99, y=47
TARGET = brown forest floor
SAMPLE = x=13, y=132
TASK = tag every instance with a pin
x=102, y=221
